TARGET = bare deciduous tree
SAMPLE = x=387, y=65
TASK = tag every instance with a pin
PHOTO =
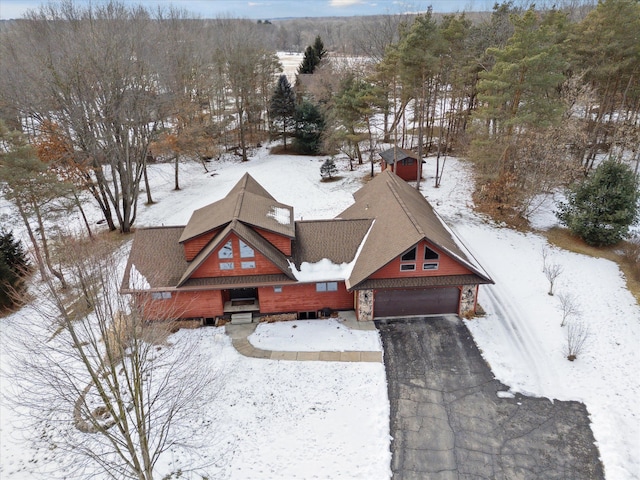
x=90, y=69
x=568, y=306
x=552, y=272
x=577, y=338
x=101, y=383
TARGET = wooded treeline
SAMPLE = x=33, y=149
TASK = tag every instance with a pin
x=532, y=95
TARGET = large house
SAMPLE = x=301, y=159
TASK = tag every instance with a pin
x=388, y=254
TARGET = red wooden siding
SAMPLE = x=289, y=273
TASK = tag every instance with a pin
x=407, y=172
x=211, y=266
x=281, y=242
x=192, y=247
x=303, y=298
x=205, y=304
x=446, y=266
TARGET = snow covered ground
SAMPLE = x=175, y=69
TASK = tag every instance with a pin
x=313, y=336
x=279, y=419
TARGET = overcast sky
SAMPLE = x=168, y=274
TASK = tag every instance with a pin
x=270, y=9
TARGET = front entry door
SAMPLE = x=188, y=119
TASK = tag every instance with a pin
x=243, y=294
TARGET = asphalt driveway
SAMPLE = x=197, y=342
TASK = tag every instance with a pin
x=448, y=422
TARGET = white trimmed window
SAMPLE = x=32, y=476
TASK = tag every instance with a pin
x=250, y=264
x=431, y=259
x=246, y=251
x=226, y=266
x=408, y=260
x=226, y=251
x=160, y=295
x=277, y=289
x=327, y=287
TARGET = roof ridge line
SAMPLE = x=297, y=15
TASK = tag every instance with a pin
x=413, y=220
x=239, y=201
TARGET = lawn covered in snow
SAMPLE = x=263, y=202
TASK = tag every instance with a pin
x=281, y=419
x=329, y=335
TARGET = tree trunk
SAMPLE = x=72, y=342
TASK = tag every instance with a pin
x=45, y=247
x=84, y=216
x=34, y=242
x=101, y=199
x=176, y=183
x=147, y=187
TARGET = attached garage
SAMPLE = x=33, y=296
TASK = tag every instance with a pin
x=416, y=301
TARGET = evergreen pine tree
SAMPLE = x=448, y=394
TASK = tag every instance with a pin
x=283, y=107
x=13, y=267
x=309, y=61
x=318, y=48
x=313, y=55
x=310, y=124
x=328, y=169
x=601, y=209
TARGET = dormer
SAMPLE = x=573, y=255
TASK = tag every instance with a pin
x=249, y=203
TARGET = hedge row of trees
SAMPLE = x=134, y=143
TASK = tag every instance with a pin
x=533, y=96
x=109, y=87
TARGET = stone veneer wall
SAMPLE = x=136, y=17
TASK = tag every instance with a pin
x=468, y=300
x=365, y=305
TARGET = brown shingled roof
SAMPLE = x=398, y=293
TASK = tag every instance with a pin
x=157, y=257
x=397, y=153
x=336, y=240
x=247, y=235
x=388, y=212
x=248, y=202
x=403, y=218
x=420, y=282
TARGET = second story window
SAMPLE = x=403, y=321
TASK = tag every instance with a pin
x=245, y=250
x=408, y=260
x=327, y=287
x=226, y=251
x=431, y=259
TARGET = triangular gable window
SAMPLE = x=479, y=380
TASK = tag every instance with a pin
x=245, y=250
x=409, y=256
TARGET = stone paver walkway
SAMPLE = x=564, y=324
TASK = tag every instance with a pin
x=239, y=334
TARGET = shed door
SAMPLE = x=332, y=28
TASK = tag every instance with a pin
x=418, y=301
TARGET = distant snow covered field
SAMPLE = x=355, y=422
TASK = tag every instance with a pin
x=329, y=420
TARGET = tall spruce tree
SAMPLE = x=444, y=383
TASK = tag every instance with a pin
x=13, y=268
x=310, y=125
x=601, y=209
x=313, y=55
x=283, y=108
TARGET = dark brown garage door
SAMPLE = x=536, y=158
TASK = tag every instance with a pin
x=423, y=301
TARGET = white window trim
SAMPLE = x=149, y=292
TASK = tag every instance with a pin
x=246, y=251
x=223, y=252
x=160, y=295
x=326, y=287
x=249, y=264
x=430, y=266
x=227, y=266
x=430, y=260
x=408, y=267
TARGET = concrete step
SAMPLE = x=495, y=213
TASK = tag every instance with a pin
x=241, y=318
